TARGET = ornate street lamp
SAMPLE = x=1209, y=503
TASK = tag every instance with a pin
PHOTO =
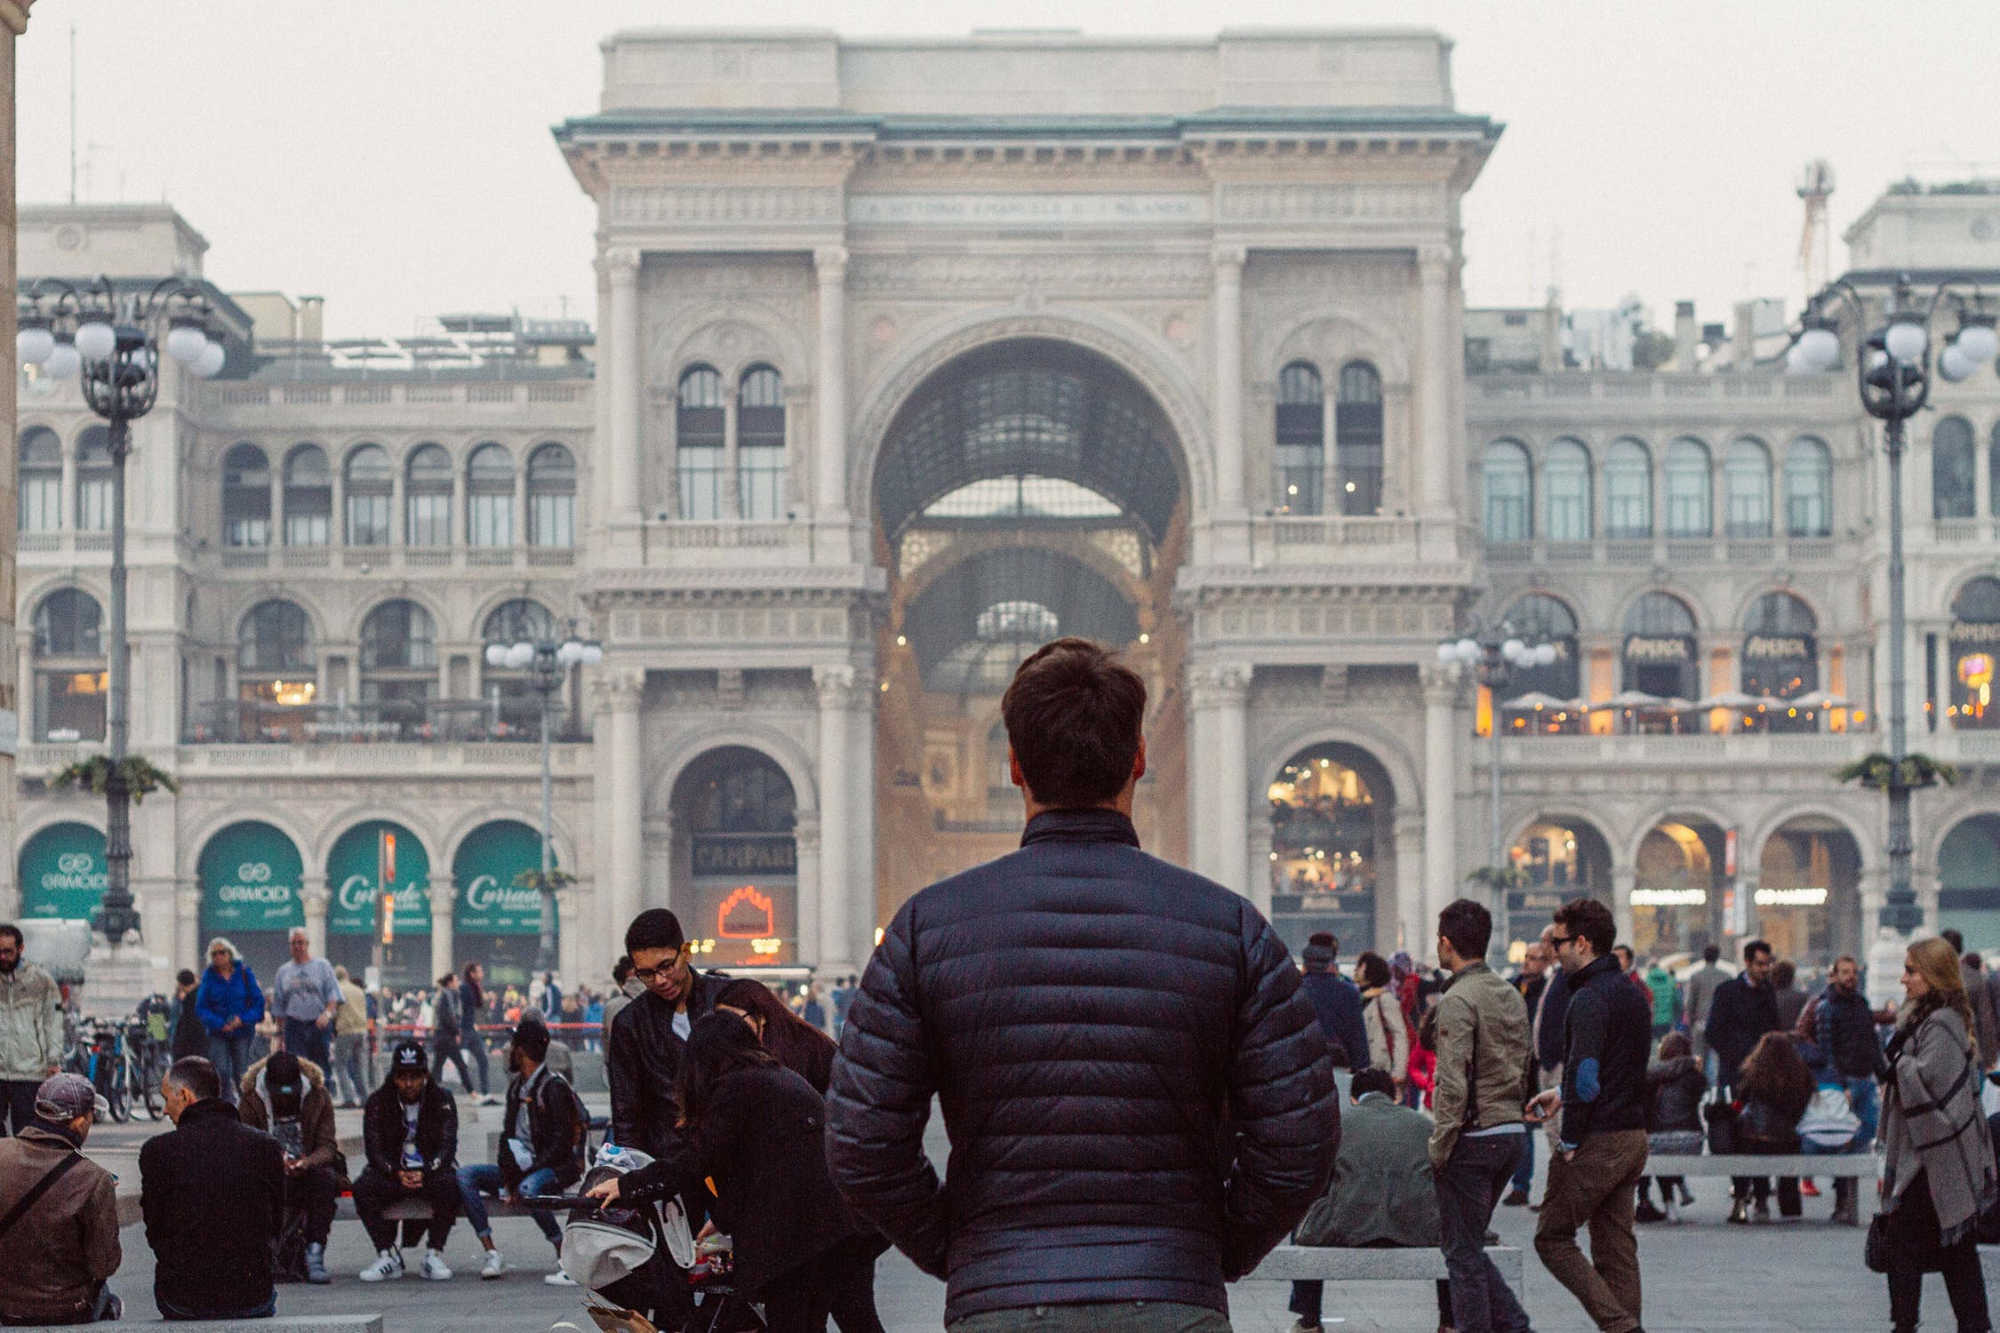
x=113, y=339
x=545, y=661
x=1496, y=654
x=1893, y=376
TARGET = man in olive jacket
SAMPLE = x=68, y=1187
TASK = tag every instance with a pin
x=1485, y=1064
x=1098, y=1023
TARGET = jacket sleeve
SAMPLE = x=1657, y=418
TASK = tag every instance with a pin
x=253, y=998
x=1454, y=1034
x=250, y=1110
x=207, y=1004
x=322, y=1138
x=1589, y=1018
x=1353, y=1035
x=621, y=1070
x=382, y=1147
x=1282, y=1104
x=152, y=1203
x=447, y=1154
x=555, y=1124
x=878, y=1102
x=101, y=1252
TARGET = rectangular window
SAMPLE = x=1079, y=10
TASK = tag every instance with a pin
x=760, y=481
x=41, y=504
x=428, y=517
x=69, y=705
x=491, y=521
x=368, y=520
x=1360, y=477
x=307, y=529
x=700, y=472
x=1301, y=474
x=552, y=520
x=93, y=504
x=1569, y=514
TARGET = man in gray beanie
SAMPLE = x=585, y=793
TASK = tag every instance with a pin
x=58, y=1214
x=1335, y=1000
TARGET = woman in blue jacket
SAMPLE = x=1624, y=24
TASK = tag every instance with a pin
x=230, y=1004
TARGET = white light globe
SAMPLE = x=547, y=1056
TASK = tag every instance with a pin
x=1797, y=362
x=185, y=342
x=209, y=363
x=1447, y=654
x=570, y=653
x=593, y=653
x=96, y=340
x=521, y=655
x=1979, y=342
x=496, y=654
x=1545, y=654
x=34, y=343
x=63, y=362
x=1906, y=340
x=1468, y=651
x=1513, y=649
x=1821, y=348
x=1955, y=365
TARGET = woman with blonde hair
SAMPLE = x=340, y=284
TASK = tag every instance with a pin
x=230, y=1004
x=1940, y=1171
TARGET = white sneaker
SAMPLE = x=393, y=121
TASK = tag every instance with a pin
x=388, y=1264
x=493, y=1267
x=560, y=1279
x=1673, y=1208
x=435, y=1269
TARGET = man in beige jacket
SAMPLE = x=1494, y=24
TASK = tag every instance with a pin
x=31, y=1030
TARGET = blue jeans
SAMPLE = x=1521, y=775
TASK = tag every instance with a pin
x=485, y=1177
x=1861, y=1096
x=229, y=1052
x=1468, y=1185
x=309, y=1041
x=1524, y=1170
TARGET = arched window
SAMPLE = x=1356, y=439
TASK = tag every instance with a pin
x=1357, y=438
x=427, y=497
x=70, y=679
x=510, y=693
x=308, y=497
x=1301, y=440
x=93, y=480
x=399, y=667
x=699, y=421
x=1540, y=618
x=1780, y=657
x=1954, y=473
x=1690, y=493
x=40, y=480
x=370, y=480
x=1975, y=650
x=276, y=637
x=760, y=443
x=1566, y=494
x=246, y=497
x=1746, y=489
x=489, y=496
x=1659, y=655
x=276, y=684
x=521, y=620
x=1509, y=493
x=1628, y=491
x=552, y=496
x=1808, y=489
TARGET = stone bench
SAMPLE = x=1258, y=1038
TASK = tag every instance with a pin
x=1989, y=1260
x=416, y=1210
x=277, y=1323
x=1846, y=1164
x=1333, y=1263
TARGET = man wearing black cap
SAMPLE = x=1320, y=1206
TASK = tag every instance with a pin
x=58, y=1214
x=286, y=1097
x=410, y=1131
x=541, y=1146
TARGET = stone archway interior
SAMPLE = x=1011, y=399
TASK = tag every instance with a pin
x=1808, y=895
x=735, y=861
x=1676, y=889
x=1969, y=883
x=1333, y=847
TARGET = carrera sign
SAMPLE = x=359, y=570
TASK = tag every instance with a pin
x=352, y=869
x=485, y=868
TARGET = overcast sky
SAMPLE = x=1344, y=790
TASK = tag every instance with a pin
x=394, y=156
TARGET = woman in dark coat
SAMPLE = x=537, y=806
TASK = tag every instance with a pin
x=758, y=1131
x=797, y=1044
x=1675, y=1086
x=1773, y=1089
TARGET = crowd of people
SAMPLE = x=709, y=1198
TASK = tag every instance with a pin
x=1094, y=1022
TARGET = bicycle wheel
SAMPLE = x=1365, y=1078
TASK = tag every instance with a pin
x=146, y=1088
x=115, y=1092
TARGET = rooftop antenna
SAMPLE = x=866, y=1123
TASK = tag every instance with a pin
x=1815, y=240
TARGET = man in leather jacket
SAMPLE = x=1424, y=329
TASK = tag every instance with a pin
x=650, y=1033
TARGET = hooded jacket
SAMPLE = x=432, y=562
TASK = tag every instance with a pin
x=62, y=1250
x=437, y=1129
x=31, y=1027
x=322, y=1141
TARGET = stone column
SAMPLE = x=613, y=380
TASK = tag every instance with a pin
x=830, y=376
x=1228, y=425
x=1218, y=822
x=859, y=924
x=623, y=770
x=444, y=897
x=574, y=962
x=806, y=919
x=315, y=896
x=622, y=383
x=1441, y=868
x=187, y=928
x=1409, y=928
x=1258, y=867
x=837, y=687
x=1435, y=430
x=1624, y=878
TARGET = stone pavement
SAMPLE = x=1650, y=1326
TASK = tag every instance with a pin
x=1701, y=1275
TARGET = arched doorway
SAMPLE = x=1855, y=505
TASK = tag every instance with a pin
x=1677, y=888
x=736, y=860
x=1969, y=882
x=1808, y=895
x=61, y=872
x=496, y=922
x=1558, y=858
x=1333, y=848
x=1026, y=490
x=373, y=856
x=250, y=874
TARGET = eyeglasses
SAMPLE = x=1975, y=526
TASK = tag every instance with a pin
x=1560, y=940
x=648, y=975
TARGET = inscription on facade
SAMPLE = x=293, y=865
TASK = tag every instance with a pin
x=1026, y=210
x=1331, y=203
x=697, y=204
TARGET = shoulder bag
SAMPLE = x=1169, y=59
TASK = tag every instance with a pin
x=36, y=1191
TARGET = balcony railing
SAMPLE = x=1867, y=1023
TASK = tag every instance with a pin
x=1315, y=539
x=1668, y=551
x=371, y=559
x=1569, y=387
x=473, y=392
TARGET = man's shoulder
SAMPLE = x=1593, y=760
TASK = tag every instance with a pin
x=1139, y=882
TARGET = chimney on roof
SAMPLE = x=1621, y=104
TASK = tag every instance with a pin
x=1552, y=350
x=312, y=320
x=1687, y=336
x=1744, y=354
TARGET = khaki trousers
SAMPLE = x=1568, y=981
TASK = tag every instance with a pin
x=1595, y=1190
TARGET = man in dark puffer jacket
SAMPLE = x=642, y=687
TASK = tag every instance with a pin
x=1138, y=1092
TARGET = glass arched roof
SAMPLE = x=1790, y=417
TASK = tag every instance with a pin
x=972, y=627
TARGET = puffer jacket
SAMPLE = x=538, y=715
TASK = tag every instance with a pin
x=1485, y=1062
x=31, y=1028
x=1105, y=1031
x=1675, y=1088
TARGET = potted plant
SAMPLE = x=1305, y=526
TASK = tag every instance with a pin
x=94, y=775
x=1880, y=771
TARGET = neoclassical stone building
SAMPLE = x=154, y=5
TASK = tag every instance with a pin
x=910, y=355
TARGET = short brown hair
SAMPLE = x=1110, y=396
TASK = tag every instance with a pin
x=1073, y=714
x=1592, y=920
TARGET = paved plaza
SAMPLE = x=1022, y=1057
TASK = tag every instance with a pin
x=1702, y=1275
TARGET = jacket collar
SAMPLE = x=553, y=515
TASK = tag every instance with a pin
x=53, y=1136
x=1080, y=826
x=1596, y=967
x=207, y=1107
x=1457, y=976
x=1374, y=1099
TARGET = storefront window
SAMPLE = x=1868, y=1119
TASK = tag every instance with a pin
x=1675, y=888
x=250, y=875
x=1330, y=832
x=1969, y=883
x=62, y=872
x=1780, y=661
x=1659, y=649
x=742, y=860
x=1975, y=647
x=1808, y=891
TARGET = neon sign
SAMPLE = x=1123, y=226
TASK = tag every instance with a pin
x=746, y=915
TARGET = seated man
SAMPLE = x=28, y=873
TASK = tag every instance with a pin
x=541, y=1146
x=1381, y=1195
x=60, y=1211
x=410, y=1132
x=287, y=1098
x=212, y=1192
